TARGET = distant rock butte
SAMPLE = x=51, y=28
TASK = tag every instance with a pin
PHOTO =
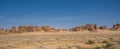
x=31, y=28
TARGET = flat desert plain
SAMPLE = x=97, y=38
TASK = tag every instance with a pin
x=61, y=40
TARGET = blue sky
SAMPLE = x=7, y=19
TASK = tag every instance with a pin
x=59, y=13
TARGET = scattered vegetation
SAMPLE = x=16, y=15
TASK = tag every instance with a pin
x=90, y=42
x=111, y=38
x=42, y=47
x=108, y=46
x=97, y=47
x=62, y=47
x=74, y=47
x=104, y=41
x=118, y=42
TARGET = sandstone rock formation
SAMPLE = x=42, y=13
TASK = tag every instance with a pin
x=48, y=29
x=38, y=29
x=31, y=28
x=88, y=27
x=104, y=27
x=62, y=30
x=13, y=30
x=22, y=29
x=116, y=27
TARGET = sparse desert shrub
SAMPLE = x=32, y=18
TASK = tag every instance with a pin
x=108, y=46
x=62, y=47
x=90, y=42
x=118, y=42
x=111, y=38
x=97, y=47
x=11, y=46
x=74, y=47
x=104, y=41
x=42, y=47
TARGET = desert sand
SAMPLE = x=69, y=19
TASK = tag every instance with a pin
x=61, y=40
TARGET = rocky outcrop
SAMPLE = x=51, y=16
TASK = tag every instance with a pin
x=62, y=30
x=48, y=29
x=88, y=27
x=13, y=30
x=22, y=29
x=116, y=27
x=31, y=28
x=104, y=27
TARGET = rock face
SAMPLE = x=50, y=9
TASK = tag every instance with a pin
x=104, y=27
x=116, y=27
x=13, y=30
x=88, y=27
x=38, y=29
x=1, y=29
x=31, y=28
x=96, y=27
x=48, y=29
x=62, y=30
x=22, y=29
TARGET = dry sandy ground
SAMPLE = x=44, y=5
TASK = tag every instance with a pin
x=59, y=40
